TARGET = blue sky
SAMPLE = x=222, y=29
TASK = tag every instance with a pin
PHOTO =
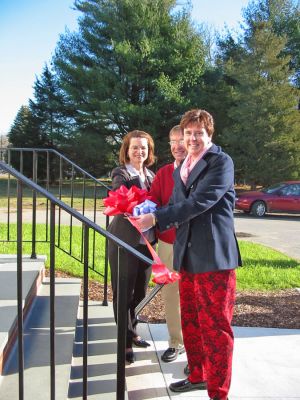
x=30, y=29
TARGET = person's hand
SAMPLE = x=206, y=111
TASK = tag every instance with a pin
x=145, y=221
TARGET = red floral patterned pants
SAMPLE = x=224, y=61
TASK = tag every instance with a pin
x=207, y=301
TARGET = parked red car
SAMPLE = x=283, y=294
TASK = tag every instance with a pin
x=282, y=197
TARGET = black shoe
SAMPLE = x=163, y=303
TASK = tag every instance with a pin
x=171, y=354
x=186, y=370
x=187, y=386
x=139, y=342
x=130, y=357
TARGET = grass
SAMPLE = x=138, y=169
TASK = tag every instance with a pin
x=266, y=269
x=63, y=262
x=263, y=268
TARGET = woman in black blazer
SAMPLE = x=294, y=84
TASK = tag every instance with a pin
x=136, y=154
x=206, y=253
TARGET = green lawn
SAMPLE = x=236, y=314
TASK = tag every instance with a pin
x=63, y=261
x=266, y=269
x=263, y=269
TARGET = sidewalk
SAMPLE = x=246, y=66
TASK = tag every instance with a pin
x=266, y=366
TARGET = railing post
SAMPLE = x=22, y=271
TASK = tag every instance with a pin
x=48, y=189
x=105, y=302
x=83, y=211
x=121, y=326
x=21, y=162
x=34, y=177
x=8, y=197
x=59, y=196
x=71, y=204
x=20, y=290
x=85, y=311
x=52, y=301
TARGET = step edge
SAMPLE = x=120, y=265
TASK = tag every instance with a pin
x=12, y=333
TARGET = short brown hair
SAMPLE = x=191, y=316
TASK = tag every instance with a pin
x=123, y=156
x=175, y=129
x=200, y=116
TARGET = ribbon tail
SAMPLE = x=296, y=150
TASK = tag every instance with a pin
x=161, y=274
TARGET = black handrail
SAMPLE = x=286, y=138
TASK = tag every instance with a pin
x=16, y=156
x=122, y=314
x=60, y=155
x=35, y=151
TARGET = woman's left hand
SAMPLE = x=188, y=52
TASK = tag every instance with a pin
x=144, y=221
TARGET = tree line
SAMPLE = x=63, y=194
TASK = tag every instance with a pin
x=142, y=64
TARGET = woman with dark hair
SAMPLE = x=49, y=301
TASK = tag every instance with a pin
x=136, y=154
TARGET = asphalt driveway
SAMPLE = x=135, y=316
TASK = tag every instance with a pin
x=281, y=232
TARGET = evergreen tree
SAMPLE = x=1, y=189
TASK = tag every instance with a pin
x=25, y=132
x=264, y=134
x=284, y=18
x=50, y=110
x=132, y=65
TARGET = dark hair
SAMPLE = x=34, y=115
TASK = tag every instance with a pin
x=123, y=156
x=200, y=116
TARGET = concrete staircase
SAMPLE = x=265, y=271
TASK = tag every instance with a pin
x=102, y=359
x=102, y=336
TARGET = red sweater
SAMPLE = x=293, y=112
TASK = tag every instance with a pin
x=160, y=192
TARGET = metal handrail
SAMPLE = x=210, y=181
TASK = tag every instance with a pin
x=60, y=155
x=34, y=239
x=122, y=276
x=60, y=163
x=28, y=182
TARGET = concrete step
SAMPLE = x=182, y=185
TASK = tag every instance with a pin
x=102, y=354
x=37, y=344
x=33, y=272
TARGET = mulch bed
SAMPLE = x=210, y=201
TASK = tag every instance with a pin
x=278, y=309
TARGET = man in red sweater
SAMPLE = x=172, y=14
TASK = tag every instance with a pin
x=161, y=190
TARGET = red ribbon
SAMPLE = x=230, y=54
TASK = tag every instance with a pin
x=161, y=273
x=122, y=201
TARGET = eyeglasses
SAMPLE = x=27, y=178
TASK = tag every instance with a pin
x=173, y=142
x=197, y=135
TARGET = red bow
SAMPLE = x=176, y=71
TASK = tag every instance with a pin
x=123, y=201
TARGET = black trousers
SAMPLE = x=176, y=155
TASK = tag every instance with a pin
x=139, y=274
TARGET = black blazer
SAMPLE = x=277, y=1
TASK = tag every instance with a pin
x=119, y=226
x=202, y=213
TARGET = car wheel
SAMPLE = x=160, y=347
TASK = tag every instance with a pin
x=258, y=209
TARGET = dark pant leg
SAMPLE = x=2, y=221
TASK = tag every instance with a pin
x=138, y=278
x=143, y=276
x=113, y=263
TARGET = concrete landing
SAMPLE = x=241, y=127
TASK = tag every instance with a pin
x=37, y=344
x=266, y=366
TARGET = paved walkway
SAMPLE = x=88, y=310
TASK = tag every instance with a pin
x=266, y=366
